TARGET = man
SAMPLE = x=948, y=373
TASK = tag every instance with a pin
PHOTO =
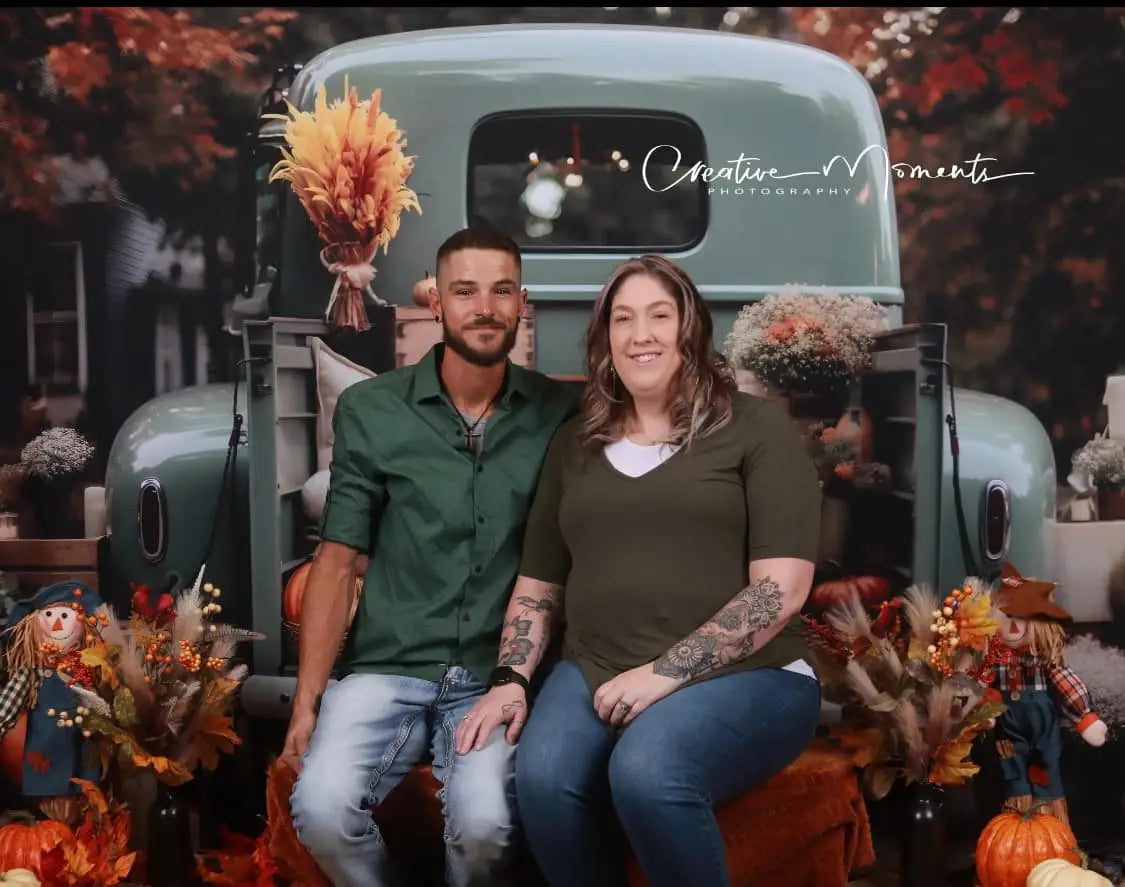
x=433, y=471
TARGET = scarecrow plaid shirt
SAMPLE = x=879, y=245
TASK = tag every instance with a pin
x=1019, y=671
x=13, y=698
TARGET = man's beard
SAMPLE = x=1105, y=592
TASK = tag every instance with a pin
x=494, y=355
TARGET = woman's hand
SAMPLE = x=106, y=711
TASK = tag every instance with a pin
x=619, y=700
x=506, y=704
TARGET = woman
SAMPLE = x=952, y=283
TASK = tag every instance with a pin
x=681, y=516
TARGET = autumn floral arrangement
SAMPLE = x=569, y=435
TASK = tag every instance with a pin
x=912, y=678
x=805, y=343
x=165, y=684
x=1098, y=474
x=347, y=166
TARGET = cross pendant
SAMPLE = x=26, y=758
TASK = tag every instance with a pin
x=469, y=438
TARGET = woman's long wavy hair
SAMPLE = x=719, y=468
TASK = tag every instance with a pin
x=699, y=401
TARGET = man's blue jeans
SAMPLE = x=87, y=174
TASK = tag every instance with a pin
x=371, y=730
x=692, y=751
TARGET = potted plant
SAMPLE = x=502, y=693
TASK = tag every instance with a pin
x=805, y=347
x=1100, y=464
x=162, y=705
x=53, y=462
x=912, y=678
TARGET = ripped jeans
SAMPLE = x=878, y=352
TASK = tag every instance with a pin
x=371, y=730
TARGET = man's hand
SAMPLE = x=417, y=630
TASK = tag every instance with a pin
x=506, y=704
x=619, y=700
x=301, y=726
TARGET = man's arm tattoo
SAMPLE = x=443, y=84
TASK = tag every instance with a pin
x=728, y=636
x=529, y=628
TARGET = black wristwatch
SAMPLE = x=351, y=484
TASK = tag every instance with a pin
x=505, y=674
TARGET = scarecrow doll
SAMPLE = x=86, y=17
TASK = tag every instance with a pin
x=1040, y=692
x=44, y=640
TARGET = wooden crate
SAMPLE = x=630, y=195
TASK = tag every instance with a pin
x=39, y=562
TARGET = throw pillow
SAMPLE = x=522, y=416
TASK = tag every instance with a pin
x=334, y=373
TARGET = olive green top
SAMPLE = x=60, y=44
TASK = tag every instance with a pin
x=443, y=525
x=648, y=560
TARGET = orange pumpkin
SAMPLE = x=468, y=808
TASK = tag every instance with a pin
x=872, y=590
x=422, y=290
x=11, y=751
x=27, y=845
x=1013, y=843
x=295, y=593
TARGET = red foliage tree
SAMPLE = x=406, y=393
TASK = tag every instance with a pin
x=142, y=72
x=1018, y=267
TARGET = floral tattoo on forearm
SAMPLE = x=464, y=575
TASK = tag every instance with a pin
x=528, y=632
x=728, y=636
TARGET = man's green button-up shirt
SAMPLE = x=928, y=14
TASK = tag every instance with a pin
x=443, y=525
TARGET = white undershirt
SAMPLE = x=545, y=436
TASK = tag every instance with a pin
x=633, y=460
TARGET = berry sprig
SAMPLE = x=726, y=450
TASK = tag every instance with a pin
x=948, y=630
x=213, y=607
x=65, y=719
x=827, y=639
x=190, y=659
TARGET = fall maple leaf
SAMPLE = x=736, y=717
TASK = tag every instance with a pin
x=93, y=795
x=166, y=770
x=866, y=744
x=78, y=68
x=78, y=864
x=215, y=735
x=951, y=764
x=98, y=656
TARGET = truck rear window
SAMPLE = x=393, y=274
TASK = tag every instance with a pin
x=565, y=181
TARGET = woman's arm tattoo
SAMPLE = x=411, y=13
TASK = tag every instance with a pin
x=728, y=636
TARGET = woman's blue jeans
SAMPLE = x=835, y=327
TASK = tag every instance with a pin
x=663, y=777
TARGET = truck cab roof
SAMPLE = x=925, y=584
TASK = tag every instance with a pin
x=488, y=112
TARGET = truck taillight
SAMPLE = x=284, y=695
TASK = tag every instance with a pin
x=152, y=520
x=996, y=521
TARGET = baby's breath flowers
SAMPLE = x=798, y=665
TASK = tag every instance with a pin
x=55, y=453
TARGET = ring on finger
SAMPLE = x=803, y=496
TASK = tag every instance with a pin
x=625, y=706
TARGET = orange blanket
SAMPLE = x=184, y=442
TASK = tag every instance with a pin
x=806, y=827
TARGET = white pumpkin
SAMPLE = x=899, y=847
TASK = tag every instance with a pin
x=1062, y=873
x=20, y=878
x=421, y=291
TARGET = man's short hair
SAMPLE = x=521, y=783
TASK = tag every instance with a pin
x=480, y=237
